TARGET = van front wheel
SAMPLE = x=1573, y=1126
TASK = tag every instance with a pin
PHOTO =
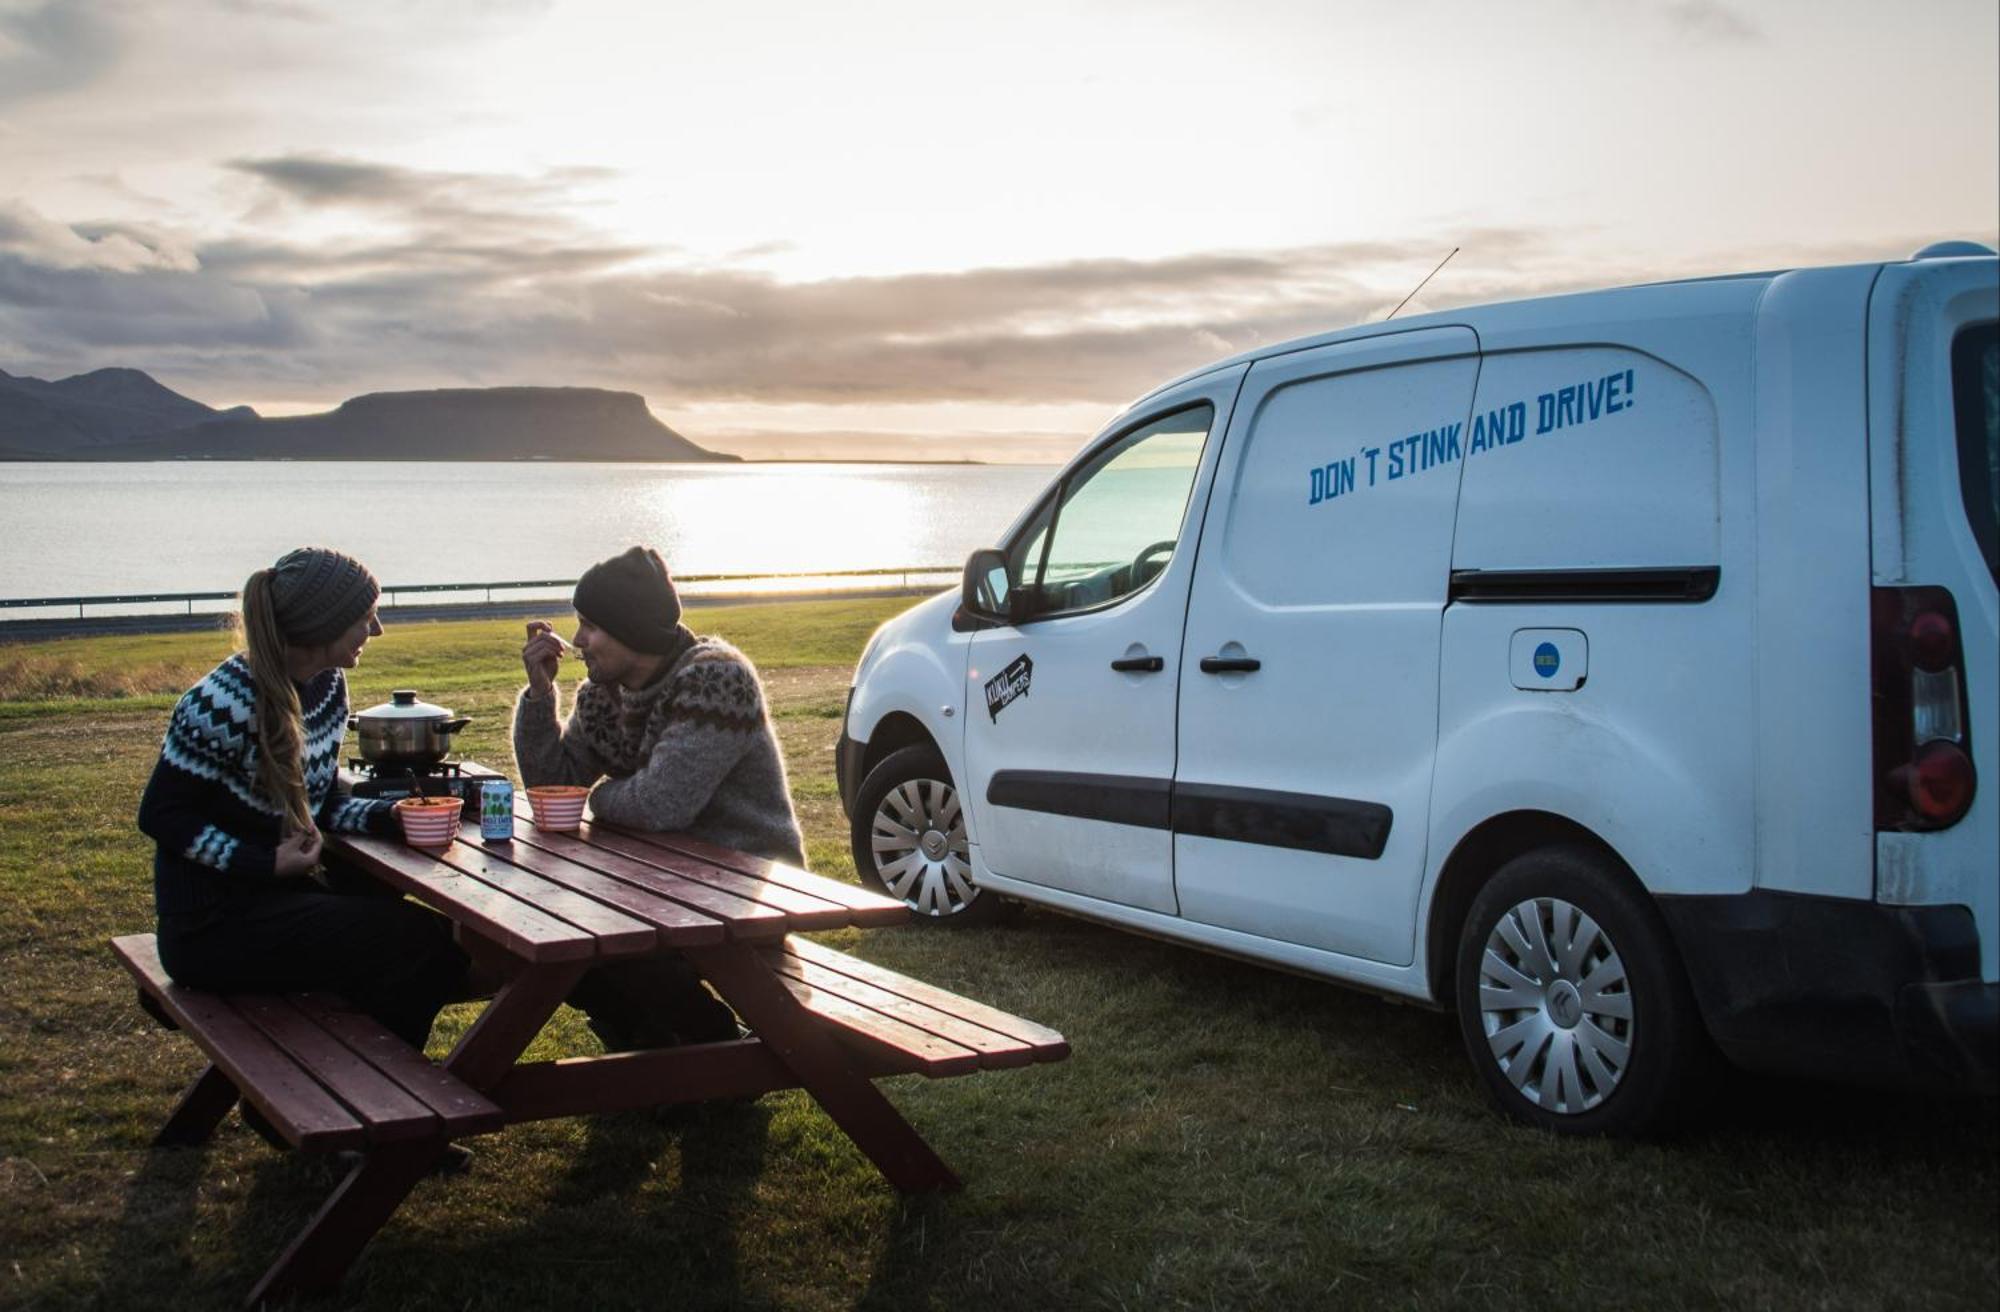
x=1572, y=1002
x=908, y=836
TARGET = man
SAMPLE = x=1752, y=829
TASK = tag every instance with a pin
x=675, y=728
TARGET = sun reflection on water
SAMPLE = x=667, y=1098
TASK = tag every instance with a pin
x=788, y=518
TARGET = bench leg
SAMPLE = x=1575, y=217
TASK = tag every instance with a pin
x=201, y=1109
x=823, y=1069
x=373, y=1190
x=322, y=1252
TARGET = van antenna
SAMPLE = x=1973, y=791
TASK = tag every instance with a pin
x=1420, y=286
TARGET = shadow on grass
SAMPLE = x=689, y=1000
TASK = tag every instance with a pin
x=604, y=1234
x=151, y=1238
x=155, y=1243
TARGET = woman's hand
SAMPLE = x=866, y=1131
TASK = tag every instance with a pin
x=298, y=853
x=542, y=655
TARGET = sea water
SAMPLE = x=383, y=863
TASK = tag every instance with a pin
x=186, y=526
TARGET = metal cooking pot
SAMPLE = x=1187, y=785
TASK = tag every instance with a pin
x=405, y=731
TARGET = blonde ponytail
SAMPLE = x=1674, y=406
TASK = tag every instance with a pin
x=280, y=720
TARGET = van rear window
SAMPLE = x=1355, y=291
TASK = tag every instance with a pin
x=1975, y=379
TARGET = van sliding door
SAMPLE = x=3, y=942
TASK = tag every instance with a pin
x=1308, y=701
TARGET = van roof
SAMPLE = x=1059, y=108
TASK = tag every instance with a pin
x=1495, y=312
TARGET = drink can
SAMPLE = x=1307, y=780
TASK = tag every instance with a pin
x=496, y=810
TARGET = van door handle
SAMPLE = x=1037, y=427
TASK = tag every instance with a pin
x=1230, y=664
x=1139, y=664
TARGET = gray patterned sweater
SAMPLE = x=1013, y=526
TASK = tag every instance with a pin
x=693, y=751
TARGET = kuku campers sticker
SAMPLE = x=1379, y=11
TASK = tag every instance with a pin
x=1004, y=687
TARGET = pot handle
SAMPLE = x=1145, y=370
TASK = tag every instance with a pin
x=453, y=726
x=354, y=722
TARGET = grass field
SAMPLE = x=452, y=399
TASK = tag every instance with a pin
x=1224, y=1136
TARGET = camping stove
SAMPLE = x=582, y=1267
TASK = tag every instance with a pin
x=459, y=779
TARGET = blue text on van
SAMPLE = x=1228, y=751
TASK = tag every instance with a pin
x=1564, y=407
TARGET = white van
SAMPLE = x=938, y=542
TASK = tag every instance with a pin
x=1615, y=668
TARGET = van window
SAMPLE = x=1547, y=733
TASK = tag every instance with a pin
x=1588, y=458
x=1975, y=379
x=1116, y=520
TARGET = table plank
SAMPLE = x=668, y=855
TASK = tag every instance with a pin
x=529, y=934
x=383, y=1106
x=259, y=1068
x=884, y=1037
x=618, y=935
x=463, y=1109
x=743, y=917
x=995, y=1050
x=802, y=910
x=1048, y=1044
x=868, y=907
x=677, y=925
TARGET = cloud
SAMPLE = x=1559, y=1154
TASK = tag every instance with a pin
x=1712, y=23
x=53, y=46
x=440, y=207
x=466, y=281
x=105, y=247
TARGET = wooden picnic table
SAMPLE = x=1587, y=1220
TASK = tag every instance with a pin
x=556, y=904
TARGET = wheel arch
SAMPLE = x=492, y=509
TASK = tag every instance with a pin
x=897, y=730
x=1477, y=857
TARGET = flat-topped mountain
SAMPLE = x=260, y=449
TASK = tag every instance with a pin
x=487, y=423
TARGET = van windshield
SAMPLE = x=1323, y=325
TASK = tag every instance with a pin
x=1975, y=378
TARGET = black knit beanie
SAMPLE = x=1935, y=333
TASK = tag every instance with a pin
x=631, y=597
x=319, y=593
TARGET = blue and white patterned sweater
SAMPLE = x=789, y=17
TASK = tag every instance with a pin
x=216, y=832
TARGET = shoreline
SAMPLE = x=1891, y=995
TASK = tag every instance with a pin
x=94, y=626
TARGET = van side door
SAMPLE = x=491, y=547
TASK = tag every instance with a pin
x=1069, y=712
x=1308, y=710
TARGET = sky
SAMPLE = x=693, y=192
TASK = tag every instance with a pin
x=922, y=230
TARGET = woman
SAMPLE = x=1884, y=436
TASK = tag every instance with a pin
x=244, y=788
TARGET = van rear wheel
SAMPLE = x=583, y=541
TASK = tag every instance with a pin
x=908, y=836
x=1572, y=1002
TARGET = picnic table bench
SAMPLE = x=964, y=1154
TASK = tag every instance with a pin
x=554, y=905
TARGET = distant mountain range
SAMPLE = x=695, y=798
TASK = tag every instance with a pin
x=123, y=414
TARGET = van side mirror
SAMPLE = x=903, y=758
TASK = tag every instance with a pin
x=984, y=589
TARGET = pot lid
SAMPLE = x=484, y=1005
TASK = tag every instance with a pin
x=403, y=705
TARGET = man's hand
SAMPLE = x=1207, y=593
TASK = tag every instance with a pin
x=542, y=655
x=298, y=854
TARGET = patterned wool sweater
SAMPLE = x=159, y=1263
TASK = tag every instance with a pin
x=693, y=751
x=217, y=834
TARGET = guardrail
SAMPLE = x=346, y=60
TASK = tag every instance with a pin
x=393, y=591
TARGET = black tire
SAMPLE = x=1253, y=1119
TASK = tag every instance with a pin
x=1625, y=1054
x=908, y=836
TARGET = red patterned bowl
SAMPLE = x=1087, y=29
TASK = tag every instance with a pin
x=430, y=822
x=557, y=807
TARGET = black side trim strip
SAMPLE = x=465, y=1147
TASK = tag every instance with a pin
x=1119, y=799
x=1303, y=821
x=1672, y=583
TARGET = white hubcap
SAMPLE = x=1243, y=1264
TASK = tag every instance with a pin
x=1556, y=1005
x=918, y=838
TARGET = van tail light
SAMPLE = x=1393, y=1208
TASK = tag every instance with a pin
x=1923, y=758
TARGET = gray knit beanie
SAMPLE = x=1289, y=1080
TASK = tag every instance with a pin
x=320, y=593
x=631, y=597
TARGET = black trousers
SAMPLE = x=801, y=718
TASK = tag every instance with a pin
x=388, y=956
x=651, y=1002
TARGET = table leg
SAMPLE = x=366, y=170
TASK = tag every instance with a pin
x=488, y=1050
x=201, y=1109
x=363, y=1202
x=811, y=1053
